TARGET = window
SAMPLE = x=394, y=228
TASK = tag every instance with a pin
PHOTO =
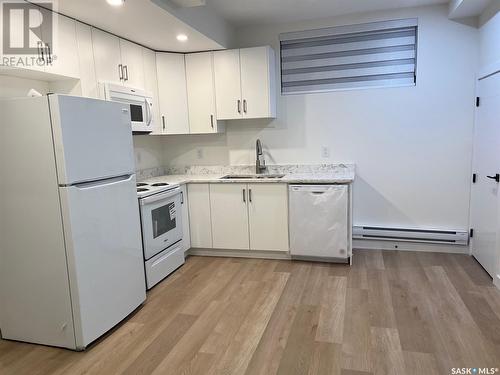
x=378, y=54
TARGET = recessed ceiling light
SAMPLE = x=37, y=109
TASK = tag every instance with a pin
x=182, y=37
x=115, y=3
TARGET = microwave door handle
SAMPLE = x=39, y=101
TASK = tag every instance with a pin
x=149, y=115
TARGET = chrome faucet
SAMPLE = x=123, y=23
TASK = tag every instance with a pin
x=260, y=162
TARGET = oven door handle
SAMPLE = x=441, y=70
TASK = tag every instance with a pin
x=160, y=196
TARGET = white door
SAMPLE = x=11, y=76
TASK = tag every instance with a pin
x=228, y=205
x=64, y=50
x=88, y=81
x=104, y=252
x=255, y=82
x=151, y=85
x=172, y=93
x=484, y=193
x=201, y=93
x=228, y=84
x=93, y=139
x=133, y=68
x=107, y=56
x=199, y=215
x=268, y=216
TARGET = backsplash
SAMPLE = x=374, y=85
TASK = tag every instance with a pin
x=142, y=174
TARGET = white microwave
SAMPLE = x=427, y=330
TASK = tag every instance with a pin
x=140, y=103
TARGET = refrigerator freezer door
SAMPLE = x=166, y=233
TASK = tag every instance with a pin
x=319, y=221
x=92, y=139
x=104, y=250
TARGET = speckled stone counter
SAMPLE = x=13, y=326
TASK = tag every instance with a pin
x=293, y=174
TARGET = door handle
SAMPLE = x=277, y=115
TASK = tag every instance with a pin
x=250, y=195
x=245, y=105
x=244, y=196
x=495, y=177
x=239, y=106
x=212, y=121
x=120, y=71
x=182, y=197
x=163, y=121
x=49, y=54
x=40, y=51
x=125, y=68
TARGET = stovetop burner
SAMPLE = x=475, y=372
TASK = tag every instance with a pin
x=140, y=190
x=141, y=184
x=160, y=184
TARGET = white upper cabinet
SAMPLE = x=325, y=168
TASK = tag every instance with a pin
x=258, y=82
x=107, y=57
x=151, y=86
x=245, y=83
x=172, y=93
x=132, y=62
x=63, y=53
x=201, y=93
x=228, y=84
x=88, y=81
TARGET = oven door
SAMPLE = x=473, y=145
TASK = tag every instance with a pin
x=161, y=218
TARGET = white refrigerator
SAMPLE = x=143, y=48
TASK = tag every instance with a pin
x=71, y=263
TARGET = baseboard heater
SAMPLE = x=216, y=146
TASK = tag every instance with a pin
x=454, y=237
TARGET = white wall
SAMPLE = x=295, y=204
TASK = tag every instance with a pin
x=489, y=36
x=412, y=146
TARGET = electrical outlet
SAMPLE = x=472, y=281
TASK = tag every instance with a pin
x=199, y=153
x=325, y=152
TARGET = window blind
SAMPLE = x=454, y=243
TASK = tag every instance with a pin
x=377, y=54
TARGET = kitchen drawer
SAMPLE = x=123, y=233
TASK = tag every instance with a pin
x=163, y=264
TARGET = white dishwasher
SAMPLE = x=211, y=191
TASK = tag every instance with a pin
x=319, y=217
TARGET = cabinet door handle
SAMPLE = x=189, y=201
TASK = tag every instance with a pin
x=244, y=196
x=182, y=197
x=250, y=195
x=212, y=121
x=39, y=47
x=49, y=54
x=125, y=68
x=245, y=105
x=120, y=71
x=239, y=106
x=163, y=122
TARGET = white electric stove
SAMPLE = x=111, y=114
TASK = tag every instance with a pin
x=161, y=222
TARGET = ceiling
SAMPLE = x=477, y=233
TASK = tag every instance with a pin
x=140, y=21
x=255, y=12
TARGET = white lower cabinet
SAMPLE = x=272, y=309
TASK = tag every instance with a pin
x=186, y=236
x=268, y=216
x=199, y=215
x=239, y=216
x=229, y=212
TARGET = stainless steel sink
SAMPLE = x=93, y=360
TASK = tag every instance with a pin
x=251, y=176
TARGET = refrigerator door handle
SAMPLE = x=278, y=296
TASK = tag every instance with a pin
x=102, y=182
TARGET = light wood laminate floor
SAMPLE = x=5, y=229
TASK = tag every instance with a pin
x=391, y=313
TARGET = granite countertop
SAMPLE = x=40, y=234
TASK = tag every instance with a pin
x=294, y=174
